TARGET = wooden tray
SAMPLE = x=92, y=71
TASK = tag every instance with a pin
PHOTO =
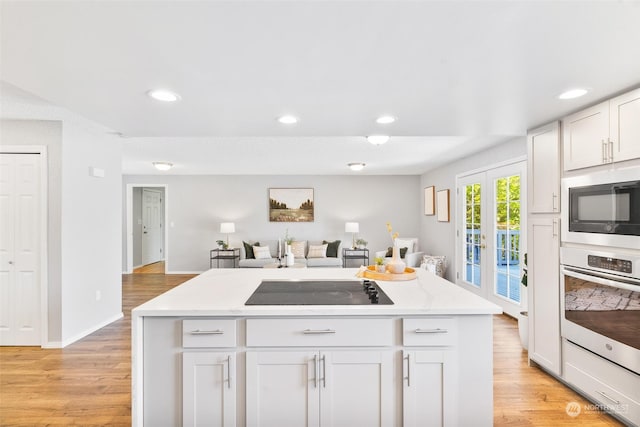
x=371, y=273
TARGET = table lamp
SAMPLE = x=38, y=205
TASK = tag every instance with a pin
x=352, y=227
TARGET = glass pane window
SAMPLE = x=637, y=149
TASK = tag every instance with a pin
x=507, y=238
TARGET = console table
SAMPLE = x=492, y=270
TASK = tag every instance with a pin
x=350, y=253
x=222, y=254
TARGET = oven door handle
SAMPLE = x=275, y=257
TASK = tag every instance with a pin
x=626, y=284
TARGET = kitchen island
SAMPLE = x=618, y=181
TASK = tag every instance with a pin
x=200, y=356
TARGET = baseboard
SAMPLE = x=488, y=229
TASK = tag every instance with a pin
x=52, y=344
x=91, y=330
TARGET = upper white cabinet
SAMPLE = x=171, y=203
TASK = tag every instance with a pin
x=625, y=126
x=605, y=133
x=543, y=148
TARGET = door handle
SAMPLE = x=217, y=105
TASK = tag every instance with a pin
x=408, y=377
x=229, y=371
x=483, y=246
x=324, y=371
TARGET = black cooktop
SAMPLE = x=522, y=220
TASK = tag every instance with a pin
x=318, y=292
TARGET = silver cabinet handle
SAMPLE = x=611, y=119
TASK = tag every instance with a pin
x=554, y=228
x=318, y=331
x=229, y=371
x=604, y=151
x=324, y=371
x=603, y=394
x=315, y=371
x=431, y=331
x=199, y=332
x=610, y=151
x=408, y=377
x=554, y=204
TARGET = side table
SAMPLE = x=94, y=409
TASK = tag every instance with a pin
x=222, y=254
x=350, y=253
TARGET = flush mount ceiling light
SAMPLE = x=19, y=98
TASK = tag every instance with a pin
x=573, y=93
x=356, y=166
x=288, y=120
x=378, y=139
x=385, y=120
x=163, y=166
x=163, y=95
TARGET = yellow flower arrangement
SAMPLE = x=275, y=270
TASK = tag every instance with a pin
x=391, y=233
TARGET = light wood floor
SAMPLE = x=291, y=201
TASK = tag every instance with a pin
x=155, y=268
x=89, y=382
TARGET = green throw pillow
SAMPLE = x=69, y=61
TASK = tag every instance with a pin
x=248, y=249
x=403, y=252
x=332, y=248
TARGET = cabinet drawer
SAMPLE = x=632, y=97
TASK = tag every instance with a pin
x=440, y=331
x=318, y=332
x=208, y=333
x=612, y=386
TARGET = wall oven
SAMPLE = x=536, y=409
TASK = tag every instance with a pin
x=601, y=303
x=602, y=209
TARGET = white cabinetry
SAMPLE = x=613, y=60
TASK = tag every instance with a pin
x=614, y=388
x=428, y=373
x=544, y=292
x=605, y=133
x=318, y=387
x=208, y=389
x=543, y=148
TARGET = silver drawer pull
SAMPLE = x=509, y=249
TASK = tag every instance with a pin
x=603, y=394
x=318, y=331
x=431, y=331
x=199, y=332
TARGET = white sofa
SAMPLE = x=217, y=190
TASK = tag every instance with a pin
x=412, y=257
x=273, y=250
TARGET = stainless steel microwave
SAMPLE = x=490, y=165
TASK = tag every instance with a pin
x=602, y=209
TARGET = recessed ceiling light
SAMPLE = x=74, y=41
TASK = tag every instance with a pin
x=573, y=93
x=163, y=166
x=356, y=166
x=163, y=95
x=385, y=120
x=288, y=120
x=378, y=139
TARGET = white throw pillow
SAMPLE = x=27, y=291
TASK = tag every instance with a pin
x=435, y=264
x=261, y=252
x=408, y=243
x=297, y=248
x=319, y=251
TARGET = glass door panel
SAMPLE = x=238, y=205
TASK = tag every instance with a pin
x=507, y=237
x=473, y=230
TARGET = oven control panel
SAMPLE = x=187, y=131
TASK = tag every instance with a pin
x=613, y=264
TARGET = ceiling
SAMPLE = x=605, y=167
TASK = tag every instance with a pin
x=459, y=76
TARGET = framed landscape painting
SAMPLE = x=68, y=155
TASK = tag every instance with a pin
x=291, y=205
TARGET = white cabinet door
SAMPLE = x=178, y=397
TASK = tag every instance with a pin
x=357, y=388
x=282, y=388
x=429, y=394
x=544, y=292
x=625, y=126
x=586, y=136
x=208, y=389
x=543, y=148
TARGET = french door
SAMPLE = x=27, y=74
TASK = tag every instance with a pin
x=490, y=234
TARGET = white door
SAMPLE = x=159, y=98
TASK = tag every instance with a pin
x=152, y=226
x=357, y=388
x=282, y=389
x=208, y=389
x=491, y=234
x=19, y=249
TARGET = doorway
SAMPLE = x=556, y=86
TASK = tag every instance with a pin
x=147, y=237
x=23, y=189
x=491, y=234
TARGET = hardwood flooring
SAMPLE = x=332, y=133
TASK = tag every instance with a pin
x=89, y=382
x=154, y=268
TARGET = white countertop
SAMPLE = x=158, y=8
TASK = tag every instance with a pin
x=223, y=292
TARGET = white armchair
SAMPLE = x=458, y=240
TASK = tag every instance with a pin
x=412, y=257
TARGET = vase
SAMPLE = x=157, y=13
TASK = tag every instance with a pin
x=380, y=268
x=289, y=259
x=396, y=265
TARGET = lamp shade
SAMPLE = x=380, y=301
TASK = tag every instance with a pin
x=351, y=227
x=227, y=227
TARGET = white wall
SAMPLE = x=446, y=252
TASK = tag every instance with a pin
x=197, y=205
x=84, y=245
x=439, y=237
